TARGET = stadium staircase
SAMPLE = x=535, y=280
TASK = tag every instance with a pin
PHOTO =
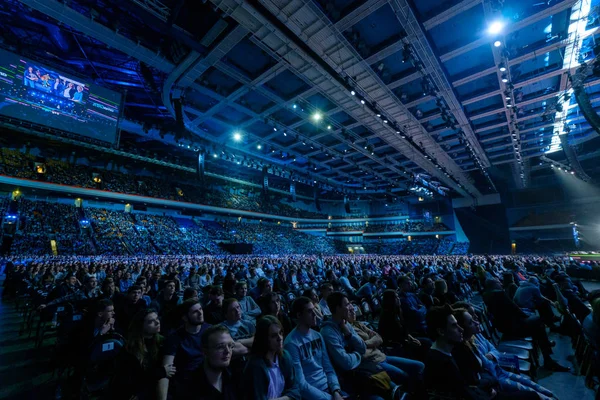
x=145, y=234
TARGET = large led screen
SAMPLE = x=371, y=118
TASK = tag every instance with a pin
x=33, y=92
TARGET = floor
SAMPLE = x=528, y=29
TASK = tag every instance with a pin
x=24, y=370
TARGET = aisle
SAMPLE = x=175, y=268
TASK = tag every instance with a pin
x=23, y=369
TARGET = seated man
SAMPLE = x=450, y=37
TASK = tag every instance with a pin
x=183, y=348
x=510, y=319
x=241, y=331
x=128, y=306
x=250, y=310
x=346, y=348
x=316, y=377
x=263, y=286
x=214, y=307
x=326, y=290
x=529, y=297
x=413, y=310
x=213, y=380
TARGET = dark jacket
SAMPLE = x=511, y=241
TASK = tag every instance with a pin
x=256, y=378
x=506, y=313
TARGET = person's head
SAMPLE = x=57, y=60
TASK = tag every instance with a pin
x=80, y=88
x=127, y=275
x=71, y=280
x=268, y=337
x=145, y=324
x=441, y=287
x=304, y=310
x=216, y=295
x=108, y=286
x=30, y=69
x=390, y=302
x=264, y=285
x=104, y=310
x=311, y=294
x=91, y=282
x=534, y=281
x=241, y=289
x=169, y=288
x=232, y=310
x=427, y=285
x=134, y=293
x=217, y=345
x=190, y=293
x=326, y=290
x=191, y=312
x=351, y=314
x=270, y=303
x=492, y=284
x=469, y=325
x=404, y=283
x=443, y=326
x=339, y=305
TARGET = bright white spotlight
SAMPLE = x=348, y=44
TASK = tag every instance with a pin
x=572, y=172
x=258, y=146
x=495, y=27
x=497, y=43
x=215, y=156
x=329, y=127
x=352, y=92
x=237, y=136
x=294, y=106
x=317, y=116
x=362, y=102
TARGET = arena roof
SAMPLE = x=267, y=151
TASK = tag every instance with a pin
x=465, y=95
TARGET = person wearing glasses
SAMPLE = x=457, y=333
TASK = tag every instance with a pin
x=213, y=380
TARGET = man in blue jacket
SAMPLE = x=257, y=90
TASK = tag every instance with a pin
x=315, y=374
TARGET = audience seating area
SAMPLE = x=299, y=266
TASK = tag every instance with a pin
x=95, y=312
x=215, y=192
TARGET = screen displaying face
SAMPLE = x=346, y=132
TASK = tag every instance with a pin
x=33, y=92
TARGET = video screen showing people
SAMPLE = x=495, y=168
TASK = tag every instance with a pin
x=33, y=92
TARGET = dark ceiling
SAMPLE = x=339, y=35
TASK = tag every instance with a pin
x=404, y=88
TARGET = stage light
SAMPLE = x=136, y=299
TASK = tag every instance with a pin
x=237, y=136
x=275, y=129
x=352, y=92
x=495, y=27
x=259, y=146
x=502, y=67
x=362, y=102
x=317, y=116
x=378, y=115
x=497, y=43
x=329, y=127
x=284, y=134
x=572, y=172
x=294, y=106
x=215, y=156
x=385, y=121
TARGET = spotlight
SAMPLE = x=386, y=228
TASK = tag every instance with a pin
x=275, y=129
x=385, y=121
x=317, y=116
x=495, y=27
x=504, y=78
x=362, y=102
x=259, y=146
x=329, y=127
x=352, y=92
x=294, y=106
x=572, y=172
x=237, y=136
x=378, y=115
x=284, y=134
x=507, y=97
x=508, y=105
x=502, y=67
x=215, y=156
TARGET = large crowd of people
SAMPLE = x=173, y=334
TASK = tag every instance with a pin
x=130, y=233
x=214, y=192
x=301, y=326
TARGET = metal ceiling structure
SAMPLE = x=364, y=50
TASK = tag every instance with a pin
x=403, y=88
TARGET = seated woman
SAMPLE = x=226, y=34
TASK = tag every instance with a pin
x=138, y=367
x=270, y=304
x=394, y=333
x=471, y=356
x=269, y=373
